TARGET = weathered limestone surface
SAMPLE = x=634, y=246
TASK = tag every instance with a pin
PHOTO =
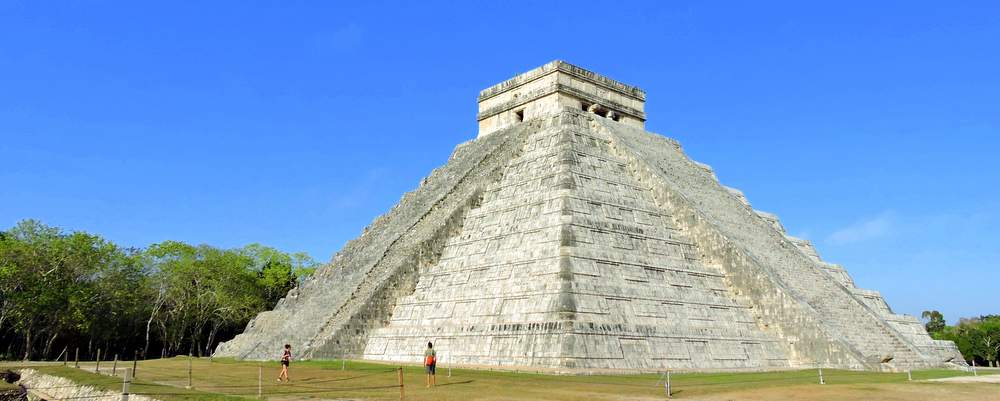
x=570, y=263
x=548, y=89
x=851, y=332
x=567, y=237
x=358, y=288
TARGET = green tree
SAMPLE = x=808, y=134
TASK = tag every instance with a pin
x=278, y=272
x=56, y=285
x=935, y=321
x=61, y=290
x=989, y=336
x=206, y=291
x=977, y=339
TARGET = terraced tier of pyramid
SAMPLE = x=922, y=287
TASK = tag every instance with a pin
x=565, y=236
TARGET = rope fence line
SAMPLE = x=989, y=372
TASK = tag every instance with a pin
x=305, y=383
x=172, y=374
x=77, y=397
x=319, y=385
x=329, y=390
x=313, y=387
x=241, y=391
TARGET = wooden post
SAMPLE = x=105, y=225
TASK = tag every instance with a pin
x=61, y=354
x=97, y=369
x=114, y=367
x=76, y=359
x=189, y=369
x=66, y=357
x=135, y=363
x=821, y=381
x=125, y=383
x=974, y=367
x=667, y=384
x=399, y=373
x=260, y=381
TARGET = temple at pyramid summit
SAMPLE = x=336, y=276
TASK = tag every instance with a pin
x=567, y=237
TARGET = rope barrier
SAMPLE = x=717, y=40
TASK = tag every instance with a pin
x=329, y=390
x=77, y=397
x=297, y=383
x=321, y=385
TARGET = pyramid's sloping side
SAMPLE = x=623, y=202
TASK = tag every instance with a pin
x=825, y=319
x=329, y=314
x=494, y=286
x=573, y=241
x=569, y=262
x=909, y=327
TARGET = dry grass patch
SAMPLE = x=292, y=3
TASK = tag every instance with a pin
x=223, y=379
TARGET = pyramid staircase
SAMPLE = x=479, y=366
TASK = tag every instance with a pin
x=567, y=237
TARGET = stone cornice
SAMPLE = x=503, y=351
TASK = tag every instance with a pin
x=548, y=90
x=562, y=66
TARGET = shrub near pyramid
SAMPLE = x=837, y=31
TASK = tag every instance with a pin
x=567, y=237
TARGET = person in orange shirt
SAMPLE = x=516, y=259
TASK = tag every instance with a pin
x=430, y=362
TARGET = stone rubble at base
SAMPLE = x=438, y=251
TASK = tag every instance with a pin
x=567, y=237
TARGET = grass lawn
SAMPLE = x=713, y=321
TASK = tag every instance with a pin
x=6, y=386
x=231, y=380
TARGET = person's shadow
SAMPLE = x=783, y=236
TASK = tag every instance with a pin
x=454, y=383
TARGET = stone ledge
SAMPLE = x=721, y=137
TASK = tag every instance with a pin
x=559, y=65
x=532, y=96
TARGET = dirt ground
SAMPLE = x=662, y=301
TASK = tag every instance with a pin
x=866, y=392
x=986, y=378
x=224, y=380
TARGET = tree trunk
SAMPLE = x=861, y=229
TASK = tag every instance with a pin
x=197, y=347
x=165, y=339
x=211, y=339
x=149, y=323
x=27, y=345
x=196, y=338
x=48, y=345
x=156, y=308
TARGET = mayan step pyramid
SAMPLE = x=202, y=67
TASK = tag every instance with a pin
x=565, y=236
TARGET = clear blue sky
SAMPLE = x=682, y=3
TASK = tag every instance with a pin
x=871, y=129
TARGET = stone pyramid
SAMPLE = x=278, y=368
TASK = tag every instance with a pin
x=567, y=237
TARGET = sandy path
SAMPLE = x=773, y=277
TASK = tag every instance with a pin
x=925, y=391
x=991, y=378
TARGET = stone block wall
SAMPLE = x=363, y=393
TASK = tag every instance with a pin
x=843, y=328
x=358, y=277
x=572, y=241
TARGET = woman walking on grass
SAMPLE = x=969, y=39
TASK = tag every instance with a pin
x=286, y=357
x=430, y=362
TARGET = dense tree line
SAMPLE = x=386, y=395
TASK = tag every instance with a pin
x=978, y=339
x=61, y=291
